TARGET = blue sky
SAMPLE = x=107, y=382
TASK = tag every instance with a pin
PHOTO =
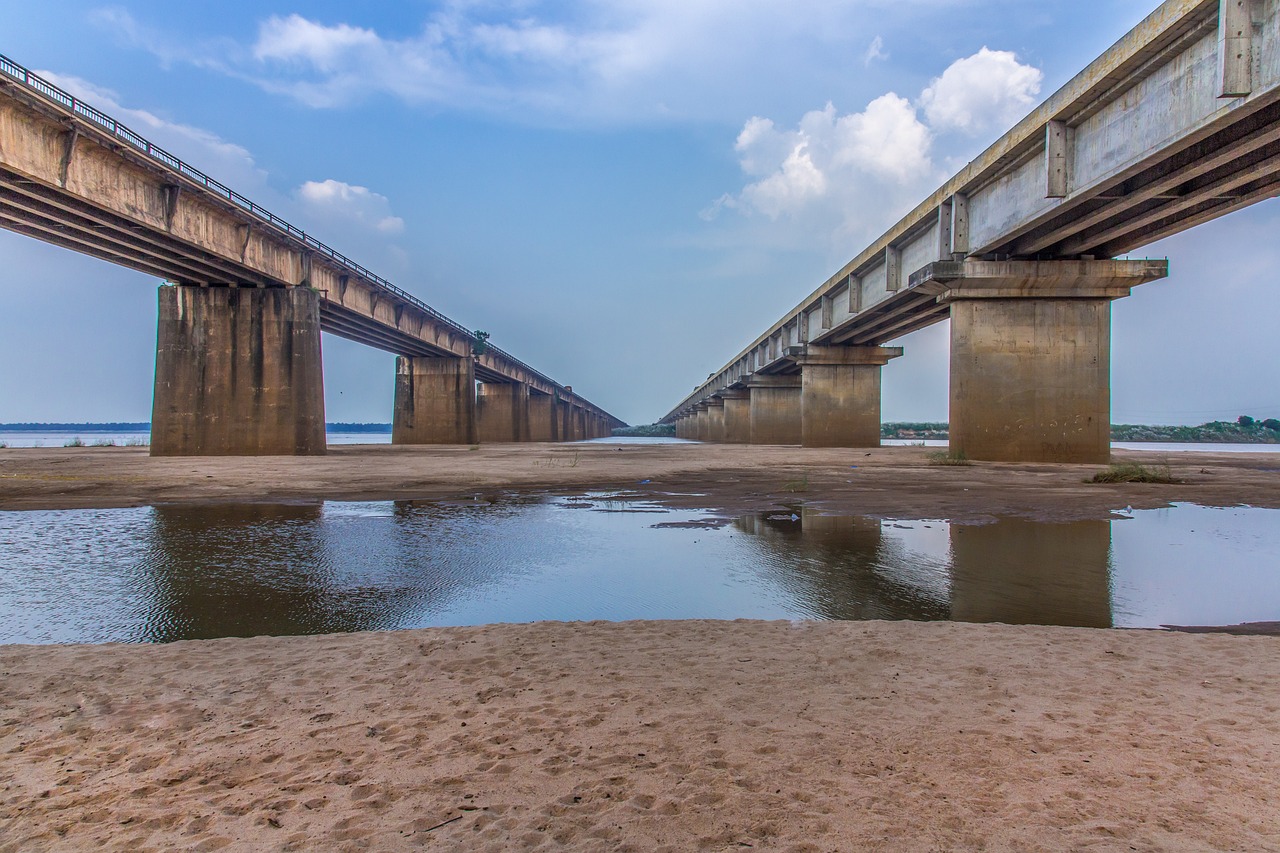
x=624, y=193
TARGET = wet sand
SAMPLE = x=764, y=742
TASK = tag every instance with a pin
x=889, y=481
x=646, y=735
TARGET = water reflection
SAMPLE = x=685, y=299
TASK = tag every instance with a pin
x=845, y=567
x=173, y=572
x=1032, y=573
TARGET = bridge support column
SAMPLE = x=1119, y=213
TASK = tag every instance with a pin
x=435, y=401
x=238, y=373
x=1031, y=355
x=502, y=412
x=840, y=400
x=715, y=420
x=541, y=417
x=776, y=409
x=700, y=421
x=737, y=415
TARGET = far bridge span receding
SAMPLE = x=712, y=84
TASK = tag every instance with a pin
x=1177, y=124
x=238, y=367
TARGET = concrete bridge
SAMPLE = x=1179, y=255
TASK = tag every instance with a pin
x=1177, y=124
x=238, y=367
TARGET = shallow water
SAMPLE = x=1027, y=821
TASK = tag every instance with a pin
x=164, y=573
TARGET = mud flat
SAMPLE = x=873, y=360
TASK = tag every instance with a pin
x=891, y=481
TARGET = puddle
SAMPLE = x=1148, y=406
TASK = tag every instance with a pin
x=156, y=574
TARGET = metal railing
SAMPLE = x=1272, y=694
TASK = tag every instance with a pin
x=52, y=93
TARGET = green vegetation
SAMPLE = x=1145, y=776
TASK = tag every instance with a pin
x=75, y=442
x=801, y=485
x=920, y=431
x=1243, y=430
x=646, y=431
x=481, y=345
x=3, y=444
x=1132, y=472
x=947, y=457
x=103, y=442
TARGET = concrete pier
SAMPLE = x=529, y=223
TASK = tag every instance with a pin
x=1031, y=356
x=542, y=422
x=238, y=373
x=737, y=415
x=840, y=398
x=776, y=416
x=715, y=420
x=435, y=401
x=502, y=412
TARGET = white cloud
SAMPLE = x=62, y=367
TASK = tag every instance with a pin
x=986, y=92
x=874, y=51
x=349, y=205
x=221, y=160
x=851, y=175
x=295, y=39
x=845, y=168
x=612, y=61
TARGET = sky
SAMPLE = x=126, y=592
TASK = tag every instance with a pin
x=623, y=193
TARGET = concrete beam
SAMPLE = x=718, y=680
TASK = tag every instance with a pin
x=435, y=401
x=238, y=373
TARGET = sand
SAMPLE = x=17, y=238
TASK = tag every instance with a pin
x=646, y=735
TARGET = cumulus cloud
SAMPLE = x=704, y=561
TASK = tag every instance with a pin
x=987, y=91
x=851, y=174
x=349, y=205
x=221, y=160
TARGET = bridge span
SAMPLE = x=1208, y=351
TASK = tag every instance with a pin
x=1177, y=124
x=238, y=367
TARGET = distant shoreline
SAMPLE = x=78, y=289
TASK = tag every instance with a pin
x=1216, y=432
x=144, y=426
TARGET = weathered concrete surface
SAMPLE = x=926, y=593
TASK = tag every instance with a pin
x=737, y=416
x=1031, y=379
x=776, y=416
x=840, y=399
x=542, y=426
x=238, y=373
x=502, y=412
x=435, y=401
x=715, y=420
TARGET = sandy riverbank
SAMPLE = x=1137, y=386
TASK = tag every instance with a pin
x=891, y=481
x=647, y=736
x=644, y=736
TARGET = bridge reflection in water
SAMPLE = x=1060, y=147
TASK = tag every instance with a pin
x=192, y=572
x=1010, y=570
